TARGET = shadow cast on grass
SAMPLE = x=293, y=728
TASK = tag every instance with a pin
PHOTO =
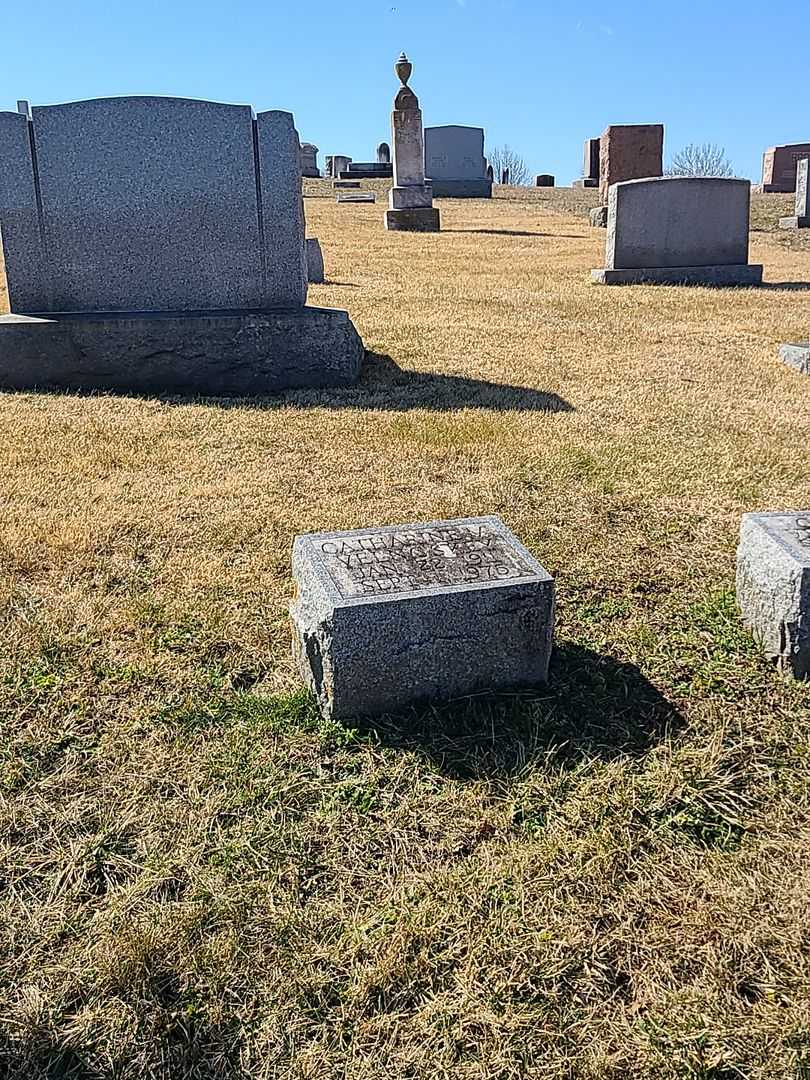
x=594, y=707
x=519, y=232
x=383, y=386
x=786, y=286
x=386, y=387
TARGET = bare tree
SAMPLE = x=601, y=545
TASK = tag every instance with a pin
x=707, y=159
x=503, y=157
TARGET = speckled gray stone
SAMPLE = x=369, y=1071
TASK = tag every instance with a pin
x=315, y=270
x=211, y=353
x=599, y=217
x=388, y=618
x=19, y=222
x=773, y=586
x=796, y=356
x=282, y=210
x=149, y=204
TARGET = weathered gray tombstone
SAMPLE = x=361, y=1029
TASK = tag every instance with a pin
x=157, y=245
x=773, y=586
x=385, y=619
x=309, y=161
x=455, y=162
x=796, y=356
x=590, y=174
x=679, y=230
x=384, y=154
x=801, y=217
x=410, y=203
x=544, y=180
x=357, y=197
x=315, y=269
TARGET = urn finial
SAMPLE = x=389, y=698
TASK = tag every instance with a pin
x=403, y=68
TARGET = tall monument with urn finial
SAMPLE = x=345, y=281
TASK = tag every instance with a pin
x=411, y=198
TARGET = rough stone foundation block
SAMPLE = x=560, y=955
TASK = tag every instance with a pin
x=599, y=217
x=797, y=356
x=747, y=274
x=315, y=269
x=209, y=353
x=385, y=619
x=418, y=219
x=773, y=586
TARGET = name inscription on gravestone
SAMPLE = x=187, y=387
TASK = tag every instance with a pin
x=378, y=563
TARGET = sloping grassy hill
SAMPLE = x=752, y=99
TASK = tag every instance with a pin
x=607, y=879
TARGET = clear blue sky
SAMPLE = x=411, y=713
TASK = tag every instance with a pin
x=538, y=75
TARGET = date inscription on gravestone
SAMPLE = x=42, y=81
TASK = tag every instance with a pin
x=426, y=557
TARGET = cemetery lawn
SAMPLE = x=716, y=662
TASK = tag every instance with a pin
x=607, y=879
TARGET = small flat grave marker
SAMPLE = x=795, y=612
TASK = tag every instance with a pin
x=392, y=617
x=360, y=197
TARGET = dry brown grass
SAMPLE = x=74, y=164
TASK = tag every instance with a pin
x=610, y=879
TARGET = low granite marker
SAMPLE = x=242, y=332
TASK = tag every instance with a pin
x=801, y=215
x=773, y=586
x=384, y=619
x=796, y=356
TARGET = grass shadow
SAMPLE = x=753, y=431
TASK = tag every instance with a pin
x=383, y=387
x=386, y=387
x=594, y=707
x=518, y=232
x=786, y=286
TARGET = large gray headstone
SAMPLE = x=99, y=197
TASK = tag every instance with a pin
x=658, y=228
x=151, y=204
x=773, y=586
x=455, y=162
x=19, y=221
x=391, y=617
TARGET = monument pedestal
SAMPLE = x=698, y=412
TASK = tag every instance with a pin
x=211, y=353
x=413, y=219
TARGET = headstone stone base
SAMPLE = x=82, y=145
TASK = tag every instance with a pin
x=390, y=618
x=746, y=274
x=796, y=356
x=232, y=354
x=414, y=219
x=773, y=586
x=586, y=182
x=599, y=217
x=794, y=222
x=315, y=270
x=463, y=189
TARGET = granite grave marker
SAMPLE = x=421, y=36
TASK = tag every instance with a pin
x=387, y=618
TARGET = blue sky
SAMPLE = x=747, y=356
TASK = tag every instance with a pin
x=537, y=75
